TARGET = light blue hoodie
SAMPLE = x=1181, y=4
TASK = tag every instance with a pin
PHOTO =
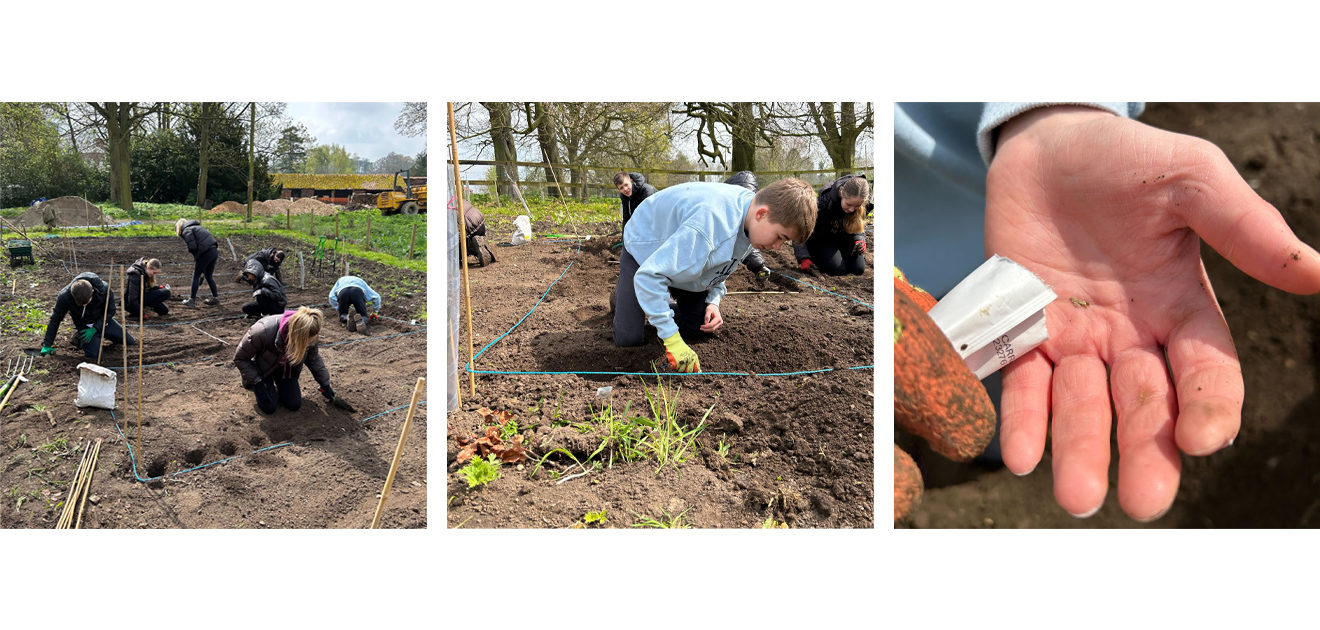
x=689, y=237
x=354, y=281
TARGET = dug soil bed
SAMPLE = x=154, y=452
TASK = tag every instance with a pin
x=318, y=467
x=799, y=447
x=1268, y=477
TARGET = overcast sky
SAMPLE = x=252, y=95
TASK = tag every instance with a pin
x=366, y=129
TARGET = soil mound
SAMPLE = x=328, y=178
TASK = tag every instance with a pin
x=307, y=204
x=232, y=207
x=69, y=211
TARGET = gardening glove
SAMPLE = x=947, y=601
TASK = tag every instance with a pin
x=47, y=350
x=762, y=273
x=936, y=396
x=327, y=392
x=804, y=264
x=681, y=357
x=859, y=247
x=87, y=333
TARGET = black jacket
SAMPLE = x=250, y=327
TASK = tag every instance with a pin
x=92, y=313
x=265, y=283
x=831, y=220
x=268, y=262
x=261, y=353
x=198, y=238
x=136, y=273
x=640, y=191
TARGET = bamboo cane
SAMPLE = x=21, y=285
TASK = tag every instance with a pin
x=412, y=242
x=368, y=233
x=467, y=285
x=123, y=309
x=87, y=485
x=288, y=219
x=398, y=452
x=105, y=312
x=66, y=515
x=142, y=292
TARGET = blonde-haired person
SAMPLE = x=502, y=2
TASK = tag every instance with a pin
x=141, y=272
x=683, y=242
x=838, y=243
x=203, y=247
x=271, y=356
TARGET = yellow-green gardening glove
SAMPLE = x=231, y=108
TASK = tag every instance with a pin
x=681, y=357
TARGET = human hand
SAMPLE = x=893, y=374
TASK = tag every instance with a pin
x=713, y=318
x=681, y=357
x=936, y=396
x=87, y=333
x=327, y=392
x=1108, y=212
x=47, y=350
x=859, y=247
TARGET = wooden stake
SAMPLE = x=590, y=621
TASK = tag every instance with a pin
x=66, y=515
x=368, y=233
x=462, y=240
x=105, y=313
x=413, y=242
x=398, y=451
x=288, y=219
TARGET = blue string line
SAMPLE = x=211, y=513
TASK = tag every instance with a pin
x=133, y=458
x=469, y=367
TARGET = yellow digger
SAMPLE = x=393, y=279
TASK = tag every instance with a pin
x=407, y=199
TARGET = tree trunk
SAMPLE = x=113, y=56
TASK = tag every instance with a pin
x=119, y=126
x=204, y=150
x=501, y=135
x=744, y=137
x=252, y=134
x=545, y=136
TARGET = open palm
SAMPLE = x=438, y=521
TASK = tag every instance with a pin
x=1110, y=212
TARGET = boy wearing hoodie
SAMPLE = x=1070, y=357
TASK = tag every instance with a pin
x=684, y=241
x=85, y=300
x=267, y=295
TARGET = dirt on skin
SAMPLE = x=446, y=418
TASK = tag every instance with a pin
x=1267, y=478
x=321, y=467
x=799, y=448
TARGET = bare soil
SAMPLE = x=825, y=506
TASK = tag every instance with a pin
x=800, y=447
x=319, y=467
x=69, y=211
x=1267, y=478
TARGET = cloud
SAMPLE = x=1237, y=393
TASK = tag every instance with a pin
x=366, y=129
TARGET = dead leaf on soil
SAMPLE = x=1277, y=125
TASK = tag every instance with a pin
x=511, y=452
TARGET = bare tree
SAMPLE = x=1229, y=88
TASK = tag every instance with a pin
x=412, y=120
x=740, y=127
x=838, y=127
x=121, y=120
x=502, y=133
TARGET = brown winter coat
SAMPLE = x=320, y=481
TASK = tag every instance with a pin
x=261, y=353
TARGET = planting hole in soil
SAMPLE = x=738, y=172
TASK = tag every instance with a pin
x=777, y=431
x=331, y=461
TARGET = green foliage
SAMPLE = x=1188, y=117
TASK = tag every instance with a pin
x=419, y=165
x=329, y=158
x=480, y=472
x=595, y=518
x=291, y=148
x=36, y=160
x=22, y=317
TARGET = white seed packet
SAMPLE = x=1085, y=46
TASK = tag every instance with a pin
x=995, y=315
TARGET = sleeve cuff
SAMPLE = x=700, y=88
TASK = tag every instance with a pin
x=996, y=114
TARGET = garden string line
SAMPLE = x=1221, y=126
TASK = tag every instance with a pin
x=469, y=366
x=133, y=458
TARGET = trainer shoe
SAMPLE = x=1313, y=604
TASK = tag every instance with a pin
x=211, y=301
x=190, y=302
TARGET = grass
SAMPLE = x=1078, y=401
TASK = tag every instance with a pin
x=561, y=212
x=629, y=437
x=26, y=315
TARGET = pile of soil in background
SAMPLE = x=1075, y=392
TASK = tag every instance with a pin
x=71, y=211
x=800, y=447
x=1267, y=478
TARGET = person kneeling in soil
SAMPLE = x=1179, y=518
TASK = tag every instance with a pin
x=270, y=258
x=838, y=243
x=683, y=242
x=268, y=296
x=354, y=291
x=203, y=247
x=474, y=225
x=85, y=300
x=271, y=356
x=154, y=295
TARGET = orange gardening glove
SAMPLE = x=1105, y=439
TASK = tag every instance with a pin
x=936, y=396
